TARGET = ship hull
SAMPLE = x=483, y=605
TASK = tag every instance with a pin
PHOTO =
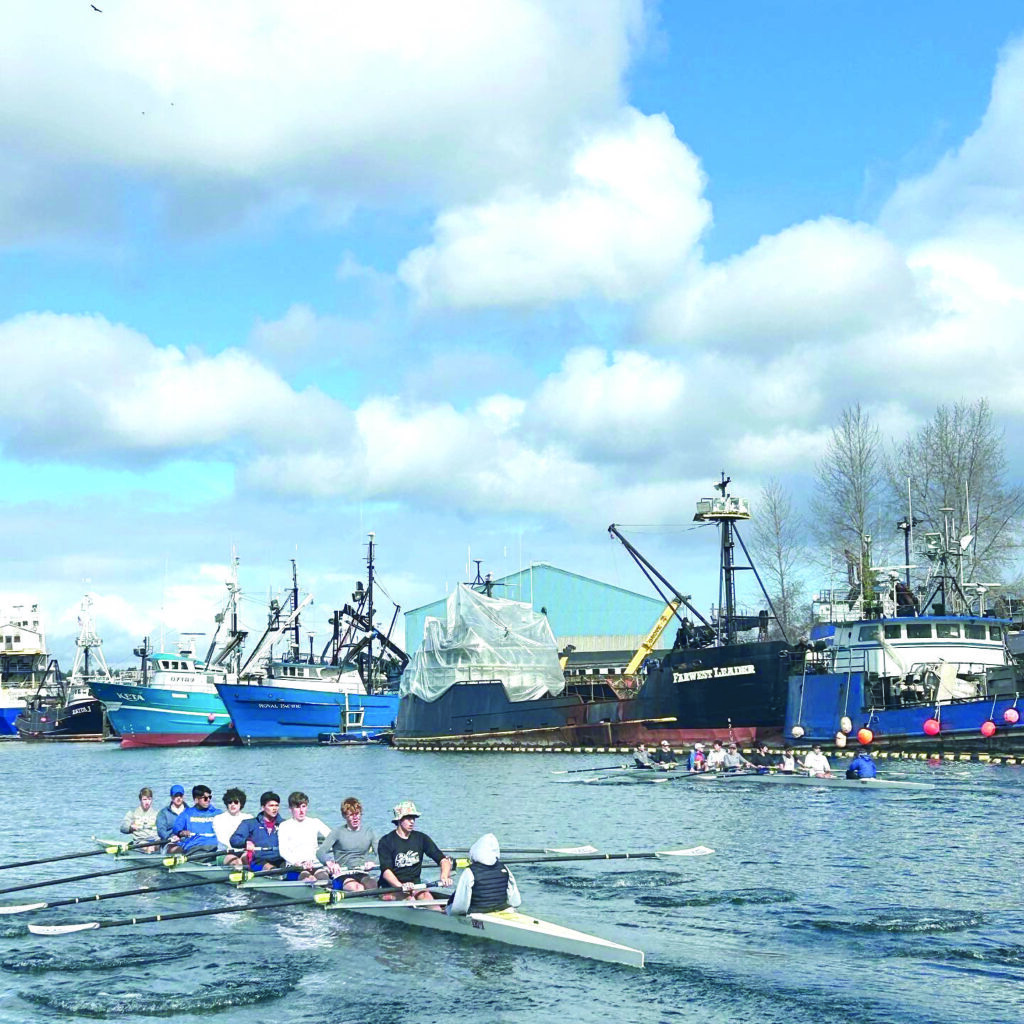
x=695, y=694
x=149, y=716
x=267, y=714
x=818, y=702
x=81, y=721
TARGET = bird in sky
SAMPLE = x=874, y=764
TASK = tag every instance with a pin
x=95, y=8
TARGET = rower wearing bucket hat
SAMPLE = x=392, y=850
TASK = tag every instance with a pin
x=401, y=854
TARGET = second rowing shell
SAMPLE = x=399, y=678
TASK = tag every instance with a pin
x=837, y=781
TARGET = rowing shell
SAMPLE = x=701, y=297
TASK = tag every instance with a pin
x=160, y=860
x=838, y=781
x=509, y=927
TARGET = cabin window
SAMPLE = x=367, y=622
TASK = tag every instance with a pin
x=974, y=631
x=165, y=664
x=997, y=632
x=919, y=630
x=868, y=633
x=893, y=632
x=947, y=629
x=17, y=638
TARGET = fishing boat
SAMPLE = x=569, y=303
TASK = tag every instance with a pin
x=509, y=927
x=64, y=709
x=347, y=693
x=24, y=663
x=489, y=674
x=931, y=675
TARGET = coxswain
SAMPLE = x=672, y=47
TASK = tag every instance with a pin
x=862, y=766
x=193, y=828
x=258, y=837
x=346, y=852
x=140, y=822
x=663, y=756
x=486, y=884
x=166, y=818
x=401, y=854
x=225, y=825
x=300, y=837
x=697, y=761
x=641, y=757
x=816, y=763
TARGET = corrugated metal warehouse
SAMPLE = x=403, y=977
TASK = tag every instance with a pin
x=592, y=616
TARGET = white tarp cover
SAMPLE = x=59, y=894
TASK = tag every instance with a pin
x=483, y=638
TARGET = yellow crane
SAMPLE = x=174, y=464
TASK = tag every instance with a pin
x=650, y=641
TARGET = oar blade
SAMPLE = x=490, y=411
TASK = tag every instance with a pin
x=693, y=851
x=23, y=909
x=62, y=929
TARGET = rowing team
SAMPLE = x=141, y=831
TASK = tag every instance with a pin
x=720, y=758
x=311, y=851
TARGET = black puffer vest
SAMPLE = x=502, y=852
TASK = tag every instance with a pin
x=490, y=887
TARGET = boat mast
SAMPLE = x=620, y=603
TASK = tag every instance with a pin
x=296, y=644
x=724, y=512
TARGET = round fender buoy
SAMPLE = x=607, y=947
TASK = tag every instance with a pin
x=846, y=725
x=1011, y=716
x=931, y=727
x=796, y=732
x=865, y=736
x=840, y=739
x=211, y=718
x=988, y=729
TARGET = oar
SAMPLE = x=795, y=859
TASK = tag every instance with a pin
x=323, y=897
x=112, y=848
x=524, y=849
x=576, y=771
x=157, y=862
x=238, y=876
x=693, y=851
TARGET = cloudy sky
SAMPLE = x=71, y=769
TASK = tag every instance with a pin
x=481, y=278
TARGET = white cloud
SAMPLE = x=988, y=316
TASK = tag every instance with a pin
x=629, y=213
x=253, y=99
x=825, y=278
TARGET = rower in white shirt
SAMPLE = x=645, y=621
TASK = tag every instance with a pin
x=816, y=763
x=225, y=825
x=300, y=837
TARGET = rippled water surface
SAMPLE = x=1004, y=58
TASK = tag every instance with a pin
x=819, y=906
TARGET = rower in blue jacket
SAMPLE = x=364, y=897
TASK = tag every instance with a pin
x=258, y=837
x=193, y=828
x=862, y=766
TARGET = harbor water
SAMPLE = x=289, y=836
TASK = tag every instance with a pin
x=819, y=906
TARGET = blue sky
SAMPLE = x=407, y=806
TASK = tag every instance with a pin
x=479, y=278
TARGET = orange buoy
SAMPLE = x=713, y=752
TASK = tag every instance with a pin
x=931, y=727
x=865, y=736
x=988, y=728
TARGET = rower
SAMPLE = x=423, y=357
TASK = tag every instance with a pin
x=663, y=757
x=760, y=758
x=300, y=838
x=226, y=825
x=345, y=853
x=401, y=854
x=193, y=828
x=166, y=818
x=715, y=758
x=486, y=884
x=140, y=823
x=697, y=761
x=788, y=762
x=734, y=761
x=259, y=836
x=816, y=763
x=641, y=757
x=862, y=766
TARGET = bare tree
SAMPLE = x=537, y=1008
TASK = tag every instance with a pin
x=958, y=461
x=850, y=492
x=777, y=542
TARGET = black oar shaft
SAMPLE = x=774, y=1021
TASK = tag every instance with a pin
x=76, y=878
x=52, y=860
x=142, y=890
x=182, y=915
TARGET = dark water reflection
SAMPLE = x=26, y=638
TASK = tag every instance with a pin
x=819, y=906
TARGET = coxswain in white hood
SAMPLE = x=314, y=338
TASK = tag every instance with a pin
x=486, y=884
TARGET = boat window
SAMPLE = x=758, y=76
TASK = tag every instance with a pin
x=919, y=630
x=893, y=632
x=165, y=664
x=947, y=629
x=17, y=638
x=997, y=632
x=974, y=631
x=868, y=633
